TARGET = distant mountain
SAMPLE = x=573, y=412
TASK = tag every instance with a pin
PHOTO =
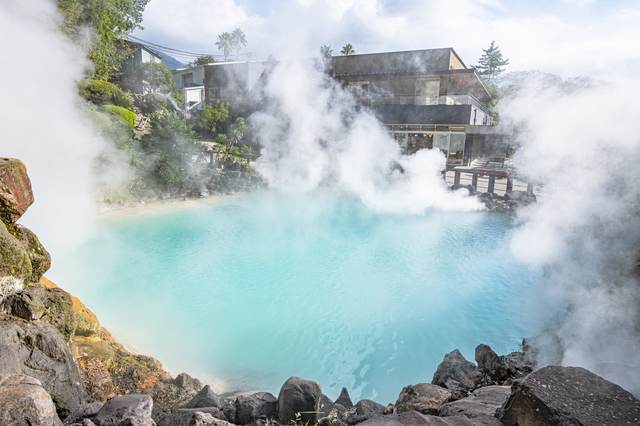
x=172, y=63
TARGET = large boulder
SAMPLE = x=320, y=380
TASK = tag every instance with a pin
x=413, y=418
x=250, y=408
x=344, y=399
x=40, y=258
x=14, y=259
x=186, y=416
x=188, y=383
x=38, y=350
x=424, y=398
x=82, y=412
x=205, y=398
x=23, y=402
x=456, y=367
x=502, y=369
x=299, y=396
x=483, y=402
x=568, y=396
x=15, y=190
x=123, y=407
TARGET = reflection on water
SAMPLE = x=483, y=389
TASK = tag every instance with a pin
x=246, y=291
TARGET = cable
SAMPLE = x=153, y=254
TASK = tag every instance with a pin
x=177, y=52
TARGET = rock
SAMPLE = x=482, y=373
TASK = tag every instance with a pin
x=366, y=407
x=568, y=396
x=389, y=409
x=296, y=396
x=137, y=421
x=40, y=258
x=424, y=398
x=326, y=406
x=260, y=405
x=188, y=383
x=123, y=407
x=523, y=197
x=470, y=188
x=184, y=416
x=483, y=402
x=205, y=398
x=495, y=367
x=38, y=350
x=23, y=402
x=413, y=418
x=456, y=367
x=344, y=399
x=15, y=259
x=15, y=190
x=81, y=412
x=206, y=419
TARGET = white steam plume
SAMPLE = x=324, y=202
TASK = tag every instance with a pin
x=584, y=147
x=313, y=135
x=41, y=123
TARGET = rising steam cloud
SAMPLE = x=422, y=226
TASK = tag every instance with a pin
x=313, y=135
x=584, y=148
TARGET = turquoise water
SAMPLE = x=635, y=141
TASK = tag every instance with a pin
x=246, y=291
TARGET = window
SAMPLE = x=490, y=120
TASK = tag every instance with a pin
x=217, y=93
x=427, y=91
x=187, y=79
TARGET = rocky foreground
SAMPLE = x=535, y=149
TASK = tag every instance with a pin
x=57, y=363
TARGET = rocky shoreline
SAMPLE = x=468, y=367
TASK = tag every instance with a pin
x=58, y=364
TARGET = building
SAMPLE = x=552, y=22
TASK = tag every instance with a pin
x=127, y=79
x=191, y=81
x=427, y=99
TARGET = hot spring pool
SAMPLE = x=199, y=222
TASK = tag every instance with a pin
x=245, y=291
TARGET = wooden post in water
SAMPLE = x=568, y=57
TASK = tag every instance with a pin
x=456, y=178
x=509, y=184
x=474, y=180
x=492, y=184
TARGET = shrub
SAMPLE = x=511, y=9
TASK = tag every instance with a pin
x=122, y=114
x=100, y=120
x=121, y=100
x=97, y=91
x=153, y=102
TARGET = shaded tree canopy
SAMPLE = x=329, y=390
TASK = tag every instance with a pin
x=325, y=51
x=111, y=21
x=156, y=75
x=202, y=60
x=347, y=50
x=491, y=64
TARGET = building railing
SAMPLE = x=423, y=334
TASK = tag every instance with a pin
x=412, y=99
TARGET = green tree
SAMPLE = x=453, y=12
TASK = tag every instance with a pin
x=213, y=118
x=224, y=44
x=111, y=21
x=347, y=50
x=170, y=144
x=202, y=60
x=156, y=75
x=491, y=65
x=238, y=40
x=325, y=51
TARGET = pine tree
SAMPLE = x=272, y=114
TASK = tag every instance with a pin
x=491, y=63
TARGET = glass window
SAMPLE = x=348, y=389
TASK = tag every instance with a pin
x=427, y=92
x=456, y=148
x=441, y=141
x=401, y=138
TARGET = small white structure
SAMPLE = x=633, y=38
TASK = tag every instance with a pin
x=193, y=98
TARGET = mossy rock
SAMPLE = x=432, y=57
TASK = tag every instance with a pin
x=15, y=190
x=87, y=323
x=40, y=258
x=14, y=259
x=100, y=120
x=98, y=92
x=124, y=115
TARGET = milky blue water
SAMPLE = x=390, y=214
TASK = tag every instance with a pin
x=246, y=291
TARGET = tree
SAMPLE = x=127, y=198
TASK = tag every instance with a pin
x=224, y=44
x=156, y=75
x=347, y=50
x=170, y=144
x=238, y=39
x=111, y=21
x=202, y=60
x=213, y=118
x=490, y=64
x=325, y=51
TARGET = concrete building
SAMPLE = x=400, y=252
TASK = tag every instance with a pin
x=127, y=79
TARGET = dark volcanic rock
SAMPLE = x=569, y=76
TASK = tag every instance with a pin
x=188, y=383
x=568, y=396
x=38, y=350
x=184, y=416
x=456, y=367
x=81, y=412
x=344, y=399
x=296, y=396
x=205, y=398
x=423, y=398
x=120, y=408
x=497, y=368
x=260, y=405
x=367, y=409
x=23, y=402
x=483, y=402
x=413, y=418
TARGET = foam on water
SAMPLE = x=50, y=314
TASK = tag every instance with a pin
x=249, y=290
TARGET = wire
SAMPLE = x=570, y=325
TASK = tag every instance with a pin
x=177, y=52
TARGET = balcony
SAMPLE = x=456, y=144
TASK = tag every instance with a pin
x=402, y=99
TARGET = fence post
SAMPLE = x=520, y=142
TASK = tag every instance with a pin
x=530, y=188
x=492, y=184
x=456, y=178
x=474, y=180
x=509, y=184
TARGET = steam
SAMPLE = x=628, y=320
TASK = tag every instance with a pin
x=42, y=124
x=313, y=135
x=584, y=146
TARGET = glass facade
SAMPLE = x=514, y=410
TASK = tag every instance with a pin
x=448, y=139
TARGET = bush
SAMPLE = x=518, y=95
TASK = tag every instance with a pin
x=122, y=100
x=122, y=114
x=100, y=120
x=97, y=91
x=153, y=102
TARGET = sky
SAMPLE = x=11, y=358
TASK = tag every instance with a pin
x=569, y=38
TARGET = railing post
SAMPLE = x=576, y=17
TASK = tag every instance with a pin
x=492, y=184
x=474, y=180
x=530, y=188
x=509, y=184
x=456, y=178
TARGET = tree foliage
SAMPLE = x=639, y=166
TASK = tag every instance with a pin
x=325, y=51
x=111, y=21
x=170, y=144
x=347, y=50
x=156, y=75
x=202, y=60
x=491, y=64
x=213, y=118
x=224, y=44
x=238, y=40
